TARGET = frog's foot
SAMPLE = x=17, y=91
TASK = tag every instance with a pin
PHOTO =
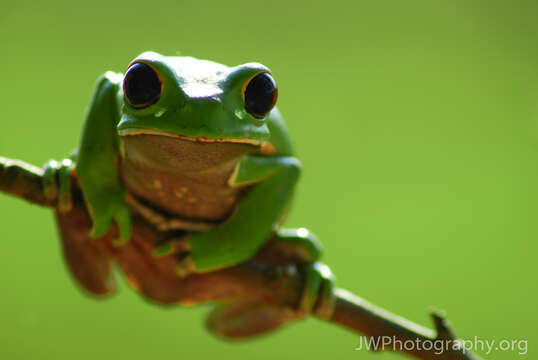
x=318, y=292
x=111, y=207
x=300, y=246
x=57, y=183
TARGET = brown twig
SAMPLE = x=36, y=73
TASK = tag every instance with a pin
x=22, y=180
x=157, y=281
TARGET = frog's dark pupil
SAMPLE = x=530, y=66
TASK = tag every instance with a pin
x=260, y=95
x=142, y=86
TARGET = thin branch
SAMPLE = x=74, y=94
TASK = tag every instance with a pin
x=157, y=281
x=22, y=180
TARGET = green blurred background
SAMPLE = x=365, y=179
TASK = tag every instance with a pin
x=416, y=122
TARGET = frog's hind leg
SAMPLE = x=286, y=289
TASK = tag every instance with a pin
x=252, y=316
x=87, y=258
x=247, y=317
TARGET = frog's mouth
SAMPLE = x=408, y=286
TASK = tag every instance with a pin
x=201, y=139
x=171, y=153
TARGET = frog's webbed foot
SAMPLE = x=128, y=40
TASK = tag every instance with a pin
x=57, y=183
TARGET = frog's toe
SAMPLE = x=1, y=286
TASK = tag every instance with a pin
x=179, y=249
x=318, y=292
x=185, y=265
x=300, y=244
x=165, y=249
x=123, y=220
x=112, y=210
x=100, y=226
x=50, y=184
x=57, y=183
x=175, y=245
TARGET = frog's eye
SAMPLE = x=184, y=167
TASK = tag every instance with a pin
x=141, y=86
x=260, y=95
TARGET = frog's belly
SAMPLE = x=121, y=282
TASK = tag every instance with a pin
x=188, y=179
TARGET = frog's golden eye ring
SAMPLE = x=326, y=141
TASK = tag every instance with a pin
x=260, y=94
x=142, y=85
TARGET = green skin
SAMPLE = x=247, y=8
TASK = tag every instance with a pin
x=200, y=101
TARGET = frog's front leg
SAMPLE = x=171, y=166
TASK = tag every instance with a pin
x=96, y=167
x=257, y=213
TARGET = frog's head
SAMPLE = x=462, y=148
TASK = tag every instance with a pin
x=197, y=100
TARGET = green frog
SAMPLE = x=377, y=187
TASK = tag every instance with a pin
x=195, y=146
